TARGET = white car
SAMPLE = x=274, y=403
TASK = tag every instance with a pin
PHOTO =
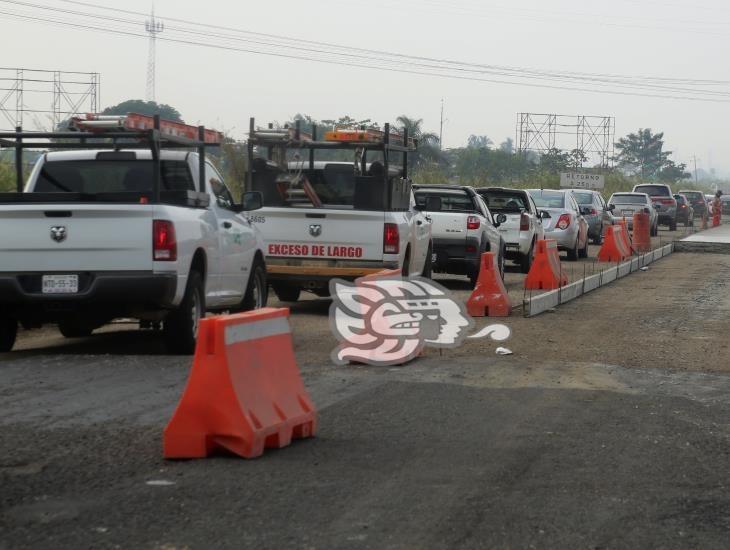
x=89, y=241
x=463, y=229
x=326, y=220
x=522, y=227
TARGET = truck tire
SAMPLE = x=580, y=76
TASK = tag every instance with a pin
x=287, y=293
x=405, y=270
x=257, y=292
x=526, y=261
x=74, y=329
x=8, y=333
x=583, y=252
x=673, y=225
x=180, y=330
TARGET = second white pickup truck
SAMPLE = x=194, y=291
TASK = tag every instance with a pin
x=88, y=241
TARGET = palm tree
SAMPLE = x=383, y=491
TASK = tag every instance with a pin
x=428, y=151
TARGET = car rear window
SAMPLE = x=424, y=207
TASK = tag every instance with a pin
x=111, y=176
x=504, y=201
x=548, y=199
x=628, y=199
x=654, y=190
x=694, y=195
x=450, y=201
x=583, y=198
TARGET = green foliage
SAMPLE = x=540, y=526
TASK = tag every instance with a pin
x=7, y=177
x=144, y=108
x=642, y=154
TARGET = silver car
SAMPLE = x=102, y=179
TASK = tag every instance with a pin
x=627, y=204
x=562, y=221
x=595, y=211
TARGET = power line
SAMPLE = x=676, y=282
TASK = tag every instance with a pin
x=399, y=62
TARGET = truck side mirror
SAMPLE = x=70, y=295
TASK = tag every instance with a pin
x=252, y=200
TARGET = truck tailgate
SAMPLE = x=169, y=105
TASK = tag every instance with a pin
x=114, y=237
x=448, y=225
x=322, y=233
x=510, y=229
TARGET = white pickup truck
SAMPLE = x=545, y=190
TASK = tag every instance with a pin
x=327, y=220
x=89, y=241
x=463, y=229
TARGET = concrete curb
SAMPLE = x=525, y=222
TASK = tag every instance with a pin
x=536, y=305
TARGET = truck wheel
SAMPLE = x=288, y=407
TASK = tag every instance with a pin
x=673, y=225
x=8, y=333
x=74, y=329
x=257, y=292
x=428, y=264
x=287, y=293
x=583, y=252
x=181, y=325
x=526, y=261
x=405, y=270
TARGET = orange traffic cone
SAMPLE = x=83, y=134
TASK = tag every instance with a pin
x=489, y=298
x=642, y=232
x=546, y=272
x=613, y=248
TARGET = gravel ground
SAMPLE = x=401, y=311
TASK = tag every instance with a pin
x=607, y=428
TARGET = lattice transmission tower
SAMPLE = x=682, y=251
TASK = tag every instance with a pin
x=153, y=28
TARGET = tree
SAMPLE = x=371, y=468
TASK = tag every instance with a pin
x=642, y=153
x=428, y=151
x=479, y=142
x=673, y=173
x=144, y=108
x=555, y=161
x=508, y=145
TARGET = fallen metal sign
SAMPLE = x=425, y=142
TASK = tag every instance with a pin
x=577, y=180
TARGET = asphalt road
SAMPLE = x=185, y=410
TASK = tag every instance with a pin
x=565, y=444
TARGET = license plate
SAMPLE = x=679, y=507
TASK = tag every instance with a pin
x=627, y=212
x=60, y=284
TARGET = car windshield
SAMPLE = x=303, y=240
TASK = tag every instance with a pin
x=504, y=201
x=694, y=196
x=548, y=199
x=111, y=176
x=583, y=198
x=654, y=190
x=450, y=201
x=628, y=199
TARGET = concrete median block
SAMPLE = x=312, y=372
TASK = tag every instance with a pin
x=657, y=254
x=647, y=258
x=541, y=303
x=608, y=275
x=591, y=283
x=623, y=269
x=635, y=264
x=571, y=292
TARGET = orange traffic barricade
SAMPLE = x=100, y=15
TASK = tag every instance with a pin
x=625, y=238
x=546, y=272
x=244, y=393
x=613, y=248
x=642, y=232
x=489, y=298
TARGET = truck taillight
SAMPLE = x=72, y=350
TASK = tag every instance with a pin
x=472, y=222
x=391, y=239
x=563, y=221
x=668, y=201
x=524, y=222
x=164, y=243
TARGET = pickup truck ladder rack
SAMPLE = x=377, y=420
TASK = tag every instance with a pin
x=294, y=138
x=153, y=139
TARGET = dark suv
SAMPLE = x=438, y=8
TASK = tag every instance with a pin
x=685, y=212
x=698, y=202
x=661, y=195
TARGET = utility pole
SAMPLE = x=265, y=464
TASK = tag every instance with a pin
x=153, y=28
x=694, y=159
x=441, y=128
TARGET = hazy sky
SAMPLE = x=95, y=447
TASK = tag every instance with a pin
x=676, y=39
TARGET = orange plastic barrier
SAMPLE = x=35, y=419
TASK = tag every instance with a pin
x=716, y=218
x=613, y=248
x=625, y=238
x=489, y=298
x=642, y=232
x=244, y=393
x=546, y=272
